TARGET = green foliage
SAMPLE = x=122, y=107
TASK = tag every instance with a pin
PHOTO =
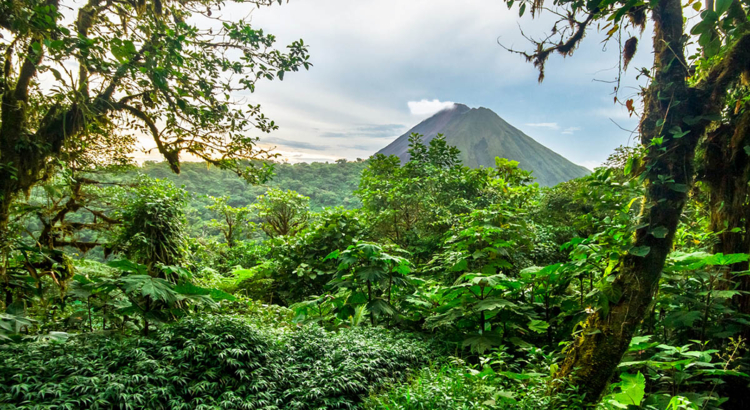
x=369, y=278
x=282, y=213
x=208, y=362
x=233, y=223
x=326, y=184
x=297, y=266
x=632, y=388
x=498, y=270
x=133, y=290
x=153, y=216
x=414, y=205
x=494, y=382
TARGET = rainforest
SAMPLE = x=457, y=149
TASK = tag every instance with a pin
x=222, y=273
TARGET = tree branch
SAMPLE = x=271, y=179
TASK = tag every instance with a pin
x=172, y=156
x=566, y=48
x=28, y=70
x=721, y=77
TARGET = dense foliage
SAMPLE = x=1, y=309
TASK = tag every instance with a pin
x=374, y=284
x=500, y=271
x=205, y=362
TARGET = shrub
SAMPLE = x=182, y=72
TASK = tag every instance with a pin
x=208, y=362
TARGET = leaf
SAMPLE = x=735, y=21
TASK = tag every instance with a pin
x=539, y=326
x=128, y=266
x=380, y=306
x=218, y=295
x=58, y=337
x=357, y=298
x=632, y=389
x=492, y=304
x=730, y=259
x=460, y=266
x=640, y=251
x=612, y=31
x=15, y=309
x=722, y=6
x=682, y=319
x=190, y=289
x=482, y=342
x=333, y=255
x=82, y=279
x=639, y=343
x=612, y=292
x=371, y=273
x=660, y=232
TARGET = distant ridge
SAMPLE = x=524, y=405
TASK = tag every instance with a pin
x=482, y=135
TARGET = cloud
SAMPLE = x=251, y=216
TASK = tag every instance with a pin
x=295, y=157
x=550, y=125
x=384, y=130
x=427, y=107
x=368, y=131
x=590, y=164
x=385, y=53
x=614, y=113
x=571, y=130
x=293, y=144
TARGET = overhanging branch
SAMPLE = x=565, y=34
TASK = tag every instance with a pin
x=172, y=156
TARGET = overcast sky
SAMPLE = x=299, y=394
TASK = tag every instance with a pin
x=382, y=66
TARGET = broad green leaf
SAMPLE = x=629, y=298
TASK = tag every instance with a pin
x=722, y=6
x=492, y=304
x=380, y=306
x=660, y=232
x=639, y=251
x=632, y=389
x=482, y=342
x=539, y=326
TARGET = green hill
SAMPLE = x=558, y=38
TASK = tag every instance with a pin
x=482, y=135
x=327, y=184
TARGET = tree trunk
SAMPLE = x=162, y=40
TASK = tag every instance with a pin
x=594, y=356
x=727, y=174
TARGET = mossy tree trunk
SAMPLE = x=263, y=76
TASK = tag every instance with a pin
x=727, y=172
x=669, y=103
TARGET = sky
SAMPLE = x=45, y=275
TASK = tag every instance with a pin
x=382, y=66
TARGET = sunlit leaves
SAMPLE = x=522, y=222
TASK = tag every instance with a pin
x=632, y=390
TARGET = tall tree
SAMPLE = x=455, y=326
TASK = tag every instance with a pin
x=233, y=223
x=81, y=82
x=678, y=109
x=282, y=213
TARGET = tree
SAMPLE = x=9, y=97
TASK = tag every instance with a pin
x=678, y=109
x=282, y=213
x=415, y=204
x=125, y=68
x=152, y=230
x=233, y=221
x=70, y=210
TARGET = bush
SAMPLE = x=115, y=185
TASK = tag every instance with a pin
x=209, y=362
x=493, y=384
x=447, y=387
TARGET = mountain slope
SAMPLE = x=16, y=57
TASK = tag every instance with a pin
x=482, y=135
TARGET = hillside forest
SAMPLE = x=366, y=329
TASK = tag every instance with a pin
x=234, y=281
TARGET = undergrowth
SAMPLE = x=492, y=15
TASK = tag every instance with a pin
x=208, y=362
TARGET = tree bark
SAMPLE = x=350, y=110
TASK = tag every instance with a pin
x=727, y=175
x=595, y=355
